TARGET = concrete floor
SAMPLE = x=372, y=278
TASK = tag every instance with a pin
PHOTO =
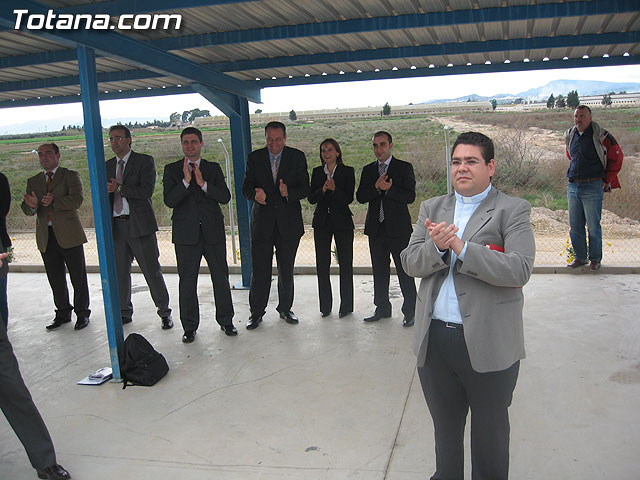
x=328, y=399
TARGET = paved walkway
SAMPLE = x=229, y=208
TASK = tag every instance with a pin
x=328, y=399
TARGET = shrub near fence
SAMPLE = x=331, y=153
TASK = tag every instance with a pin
x=527, y=166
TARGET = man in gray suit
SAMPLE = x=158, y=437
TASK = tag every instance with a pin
x=132, y=179
x=473, y=251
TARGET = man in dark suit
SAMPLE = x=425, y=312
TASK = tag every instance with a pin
x=23, y=416
x=275, y=181
x=388, y=185
x=473, y=251
x=55, y=196
x=131, y=181
x=5, y=243
x=195, y=188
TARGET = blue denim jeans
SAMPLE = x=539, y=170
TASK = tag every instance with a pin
x=585, y=208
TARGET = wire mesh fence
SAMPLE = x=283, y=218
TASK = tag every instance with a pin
x=530, y=163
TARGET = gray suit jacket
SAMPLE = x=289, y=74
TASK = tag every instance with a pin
x=138, y=183
x=488, y=282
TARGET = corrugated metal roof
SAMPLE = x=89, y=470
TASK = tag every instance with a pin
x=289, y=42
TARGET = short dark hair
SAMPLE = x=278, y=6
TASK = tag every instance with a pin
x=127, y=132
x=380, y=133
x=584, y=107
x=55, y=147
x=336, y=145
x=191, y=131
x=479, y=140
x=276, y=125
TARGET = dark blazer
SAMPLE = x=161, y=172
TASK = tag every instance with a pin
x=5, y=205
x=332, y=209
x=488, y=282
x=66, y=188
x=395, y=201
x=138, y=183
x=192, y=208
x=285, y=212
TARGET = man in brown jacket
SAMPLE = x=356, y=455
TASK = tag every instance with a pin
x=54, y=196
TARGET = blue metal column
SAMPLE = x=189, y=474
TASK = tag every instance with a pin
x=241, y=147
x=101, y=208
x=237, y=109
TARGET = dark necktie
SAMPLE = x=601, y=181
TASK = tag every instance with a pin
x=49, y=180
x=117, y=198
x=382, y=168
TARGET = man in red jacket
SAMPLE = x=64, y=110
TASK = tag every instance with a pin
x=596, y=159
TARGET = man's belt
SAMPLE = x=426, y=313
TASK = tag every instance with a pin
x=584, y=180
x=456, y=326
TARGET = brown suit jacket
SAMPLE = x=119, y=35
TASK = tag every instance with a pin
x=66, y=188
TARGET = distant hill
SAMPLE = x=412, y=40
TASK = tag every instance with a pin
x=557, y=87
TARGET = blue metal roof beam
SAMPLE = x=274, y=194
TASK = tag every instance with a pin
x=362, y=55
x=432, y=19
x=347, y=77
x=516, y=44
x=120, y=46
x=455, y=70
x=117, y=7
x=148, y=92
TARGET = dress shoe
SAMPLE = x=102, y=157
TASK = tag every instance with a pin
x=229, y=330
x=325, y=314
x=407, y=321
x=344, y=314
x=81, y=322
x=167, y=322
x=189, y=336
x=594, y=265
x=53, y=472
x=289, y=317
x=253, y=322
x=126, y=320
x=57, y=322
x=377, y=316
x=576, y=263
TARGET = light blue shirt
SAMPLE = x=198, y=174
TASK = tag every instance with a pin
x=446, y=307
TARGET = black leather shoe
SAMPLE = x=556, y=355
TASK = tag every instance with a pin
x=253, y=322
x=229, y=330
x=377, y=316
x=54, y=472
x=126, y=320
x=167, y=322
x=325, y=314
x=81, y=322
x=344, y=314
x=576, y=263
x=289, y=317
x=407, y=321
x=189, y=336
x=57, y=322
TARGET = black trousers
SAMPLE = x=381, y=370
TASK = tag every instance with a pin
x=188, y=258
x=55, y=259
x=344, y=247
x=262, y=258
x=451, y=387
x=22, y=414
x=381, y=247
x=145, y=250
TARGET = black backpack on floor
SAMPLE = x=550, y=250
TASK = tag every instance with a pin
x=140, y=363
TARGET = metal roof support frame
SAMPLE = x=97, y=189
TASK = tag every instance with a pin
x=101, y=208
x=237, y=109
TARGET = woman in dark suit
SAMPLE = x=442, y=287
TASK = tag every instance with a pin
x=332, y=186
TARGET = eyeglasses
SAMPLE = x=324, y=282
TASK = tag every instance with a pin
x=115, y=139
x=472, y=162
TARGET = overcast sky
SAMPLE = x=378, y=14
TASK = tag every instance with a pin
x=342, y=95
